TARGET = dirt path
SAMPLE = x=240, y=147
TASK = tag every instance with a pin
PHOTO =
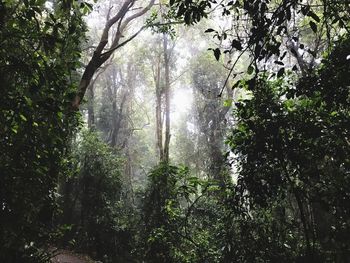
x=64, y=256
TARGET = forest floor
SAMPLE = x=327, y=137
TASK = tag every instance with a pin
x=65, y=256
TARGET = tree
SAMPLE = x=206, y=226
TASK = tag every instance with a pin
x=165, y=233
x=291, y=144
x=162, y=83
x=269, y=27
x=210, y=112
x=281, y=138
x=116, y=116
x=92, y=197
x=102, y=53
x=39, y=57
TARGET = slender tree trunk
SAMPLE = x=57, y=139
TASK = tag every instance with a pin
x=117, y=118
x=91, y=112
x=304, y=223
x=299, y=201
x=114, y=123
x=159, y=121
x=217, y=157
x=128, y=127
x=167, y=97
x=163, y=102
x=129, y=174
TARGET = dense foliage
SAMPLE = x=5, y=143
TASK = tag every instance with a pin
x=291, y=145
x=210, y=113
x=93, y=211
x=39, y=56
x=281, y=99
x=267, y=25
x=179, y=217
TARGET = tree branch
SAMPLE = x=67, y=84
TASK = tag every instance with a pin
x=99, y=58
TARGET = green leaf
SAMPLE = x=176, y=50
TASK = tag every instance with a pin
x=217, y=53
x=23, y=118
x=52, y=17
x=314, y=16
x=280, y=73
x=236, y=44
x=305, y=10
x=187, y=18
x=236, y=84
x=228, y=103
x=313, y=26
x=286, y=245
x=40, y=2
x=279, y=63
x=250, y=70
x=28, y=101
x=209, y=30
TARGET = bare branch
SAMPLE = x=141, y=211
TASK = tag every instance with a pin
x=99, y=58
x=123, y=43
x=128, y=20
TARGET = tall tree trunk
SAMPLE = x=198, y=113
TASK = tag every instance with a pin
x=159, y=121
x=129, y=174
x=91, y=112
x=167, y=97
x=217, y=158
x=114, y=123
x=163, y=101
x=117, y=119
x=129, y=129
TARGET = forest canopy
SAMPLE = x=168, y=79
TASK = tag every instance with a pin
x=174, y=131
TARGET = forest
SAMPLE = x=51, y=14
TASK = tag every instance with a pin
x=174, y=131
